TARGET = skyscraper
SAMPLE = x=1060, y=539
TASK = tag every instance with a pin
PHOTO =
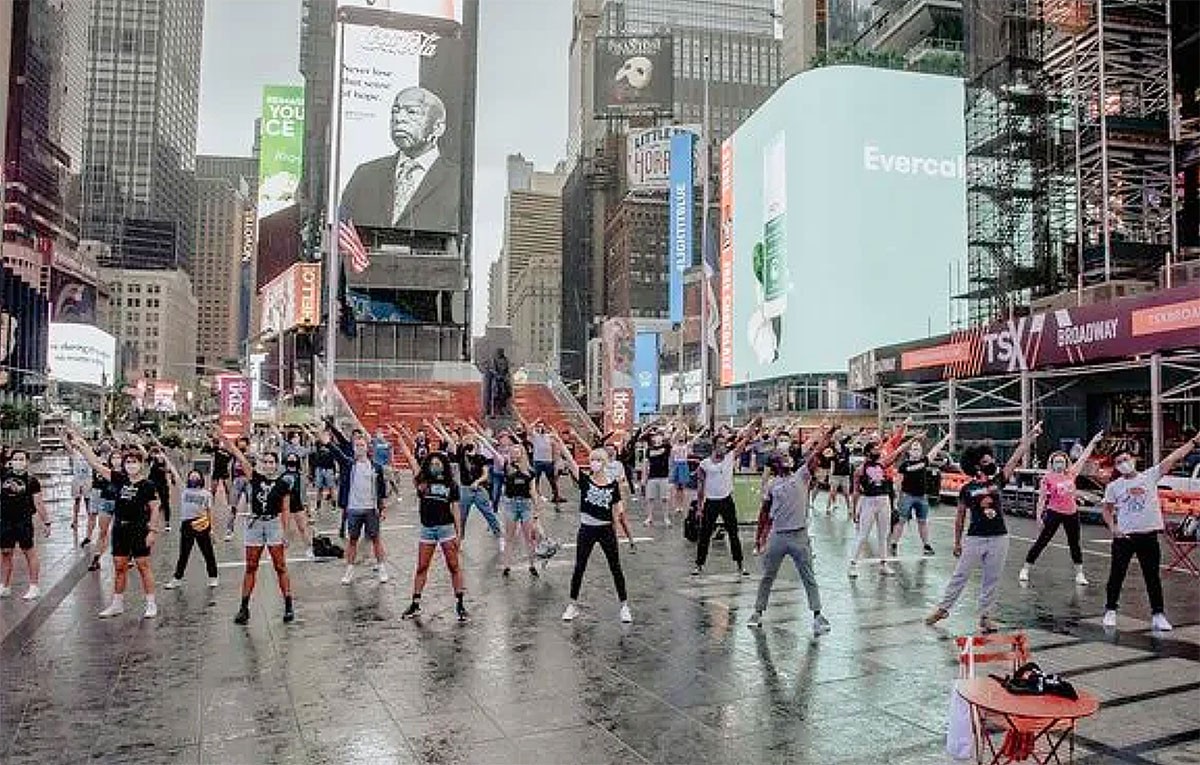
x=140, y=133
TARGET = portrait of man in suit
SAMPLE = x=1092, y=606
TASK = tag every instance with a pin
x=417, y=187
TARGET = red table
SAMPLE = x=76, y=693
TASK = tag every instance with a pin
x=1027, y=720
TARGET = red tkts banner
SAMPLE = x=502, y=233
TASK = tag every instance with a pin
x=235, y=406
x=1160, y=321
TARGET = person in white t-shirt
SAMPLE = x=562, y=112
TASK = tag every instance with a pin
x=714, y=494
x=1133, y=514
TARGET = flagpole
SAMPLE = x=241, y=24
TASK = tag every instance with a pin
x=706, y=407
x=333, y=249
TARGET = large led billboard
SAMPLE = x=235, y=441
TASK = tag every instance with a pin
x=634, y=75
x=401, y=121
x=81, y=353
x=281, y=147
x=843, y=206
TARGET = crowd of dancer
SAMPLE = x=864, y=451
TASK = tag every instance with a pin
x=126, y=486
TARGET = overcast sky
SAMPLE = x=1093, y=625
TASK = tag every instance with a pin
x=522, y=105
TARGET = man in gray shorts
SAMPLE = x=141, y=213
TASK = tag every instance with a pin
x=362, y=494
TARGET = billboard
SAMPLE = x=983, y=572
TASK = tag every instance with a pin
x=281, y=147
x=634, y=75
x=617, y=341
x=648, y=156
x=451, y=10
x=292, y=299
x=645, y=374
x=676, y=389
x=838, y=233
x=1133, y=326
x=81, y=353
x=234, y=396
x=71, y=299
x=401, y=119
x=680, y=220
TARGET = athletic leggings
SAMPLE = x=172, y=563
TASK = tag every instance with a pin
x=606, y=537
x=203, y=540
x=1050, y=523
x=725, y=511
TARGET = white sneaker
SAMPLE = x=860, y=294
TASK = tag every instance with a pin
x=151, y=610
x=5, y=591
x=627, y=615
x=228, y=536
x=667, y=521
x=1159, y=623
x=116, y=608
x=167, y=529
x=1110, y=619
x=383, y=574
x=1023, y=576
x=570, y=613
x=821, y=626
x=33, y=593
x=1081, y=579
x=887, y=570
x=214, y=583
x=348, y=577
x=853, y=572
x=309, y=554
x=174, y=584
x=503, y=543
x=649, y=521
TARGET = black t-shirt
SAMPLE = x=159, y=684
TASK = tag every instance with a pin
x=157, y=473
x=913, y=476
x=133, y=500
x=266, y=494
x=17, y=491
x=658, y=459
x=437, y=498
x=841, y=460
x=518, y=484
x=982, y=500
x=872, y=481
x=292, y=478
x=322, y=457
x=222, y=457
x=597, y=502
x=421, y=449
x=471, y=465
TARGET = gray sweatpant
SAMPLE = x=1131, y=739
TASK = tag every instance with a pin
x=795, y=545
x=987, y=553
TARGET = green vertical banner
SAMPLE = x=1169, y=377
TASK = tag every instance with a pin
x=281, y=147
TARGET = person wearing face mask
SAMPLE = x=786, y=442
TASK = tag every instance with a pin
x=270, y=500
x=20, y=500
x=441, y=526
x=473, y=456
x=681, y=471
x=519, y=480
x=363, y=499
x=195, y=527
x=658, y=478
x=294, y=475
x=104, y=499
x=136, y=525
x=323, y=464
x=161, y=475
x=914, y=479
x=714, y=493
x=981, y=515
x=601, y=509
x=1056, y=507
x=872, y=504
x=1134, y=516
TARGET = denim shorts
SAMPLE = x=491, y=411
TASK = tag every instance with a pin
x=437, y=535
x=326, y=478
x=520, y=509
x=681, y=475
x=910, y=506
x=263, y=532
x=357, y=520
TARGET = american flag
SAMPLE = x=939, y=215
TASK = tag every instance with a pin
x=351, y=246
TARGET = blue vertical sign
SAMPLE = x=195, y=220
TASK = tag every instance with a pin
x=645, y=374
x=679, y=247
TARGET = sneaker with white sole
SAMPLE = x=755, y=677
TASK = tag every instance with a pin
x=755, y=620
x=214, y=583
x=886, y=570
x=383, y=574
x=228, y=536
x=627, y=615
x=348, y=577
x=649, y=521
x=34, y=592
x=821, y=625
x=1081, y=579
x=1110, y=619
x=5, y=591
x=1159, y=623
x=116, y=608
x=853, y=571
x=174, y=584
x=1023, y=574
x=570, y=613
x=151, y=610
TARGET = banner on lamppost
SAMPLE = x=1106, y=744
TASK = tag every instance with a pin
x=680, y=220
x=645, y=374
x=235, y=405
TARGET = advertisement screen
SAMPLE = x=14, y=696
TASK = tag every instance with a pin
x=292, y=299
x=401, y=124
x=838, y=233
x=634, y=75
x=645, y=374
x=648, y=156
x=71, y=299
x=680, y=226
x=440, y=9
x=617, y=340
x=281, y=147
x=234, y=394
x=677, y=389
x=80, y=353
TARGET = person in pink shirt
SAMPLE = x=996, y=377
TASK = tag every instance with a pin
x=1056, y=507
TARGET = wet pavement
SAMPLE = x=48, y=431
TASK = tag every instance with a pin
x=688, y=682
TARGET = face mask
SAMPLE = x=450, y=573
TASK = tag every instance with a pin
x=293, y=467
x=195, y=483
x=1059, y=466
x=270, y=469
x=1125, y=467
x=872, y=456
x=18, y=464
x=988, y=468
x=915, y=453
x=435, y=471
x=133, y=468
x=783, y=444
x=596, y=465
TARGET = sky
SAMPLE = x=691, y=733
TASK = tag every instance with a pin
x=521, y=106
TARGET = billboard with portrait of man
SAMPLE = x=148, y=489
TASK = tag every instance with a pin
x=401, y=119
x=634, y=75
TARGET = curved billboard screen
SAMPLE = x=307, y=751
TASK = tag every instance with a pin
x=843, y=206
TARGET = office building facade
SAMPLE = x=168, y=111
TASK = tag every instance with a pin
x=156, y=310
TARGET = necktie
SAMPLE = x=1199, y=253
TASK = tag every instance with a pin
x=407, y=179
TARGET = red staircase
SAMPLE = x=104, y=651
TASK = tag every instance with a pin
x=534, y=401
x=392, y=403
